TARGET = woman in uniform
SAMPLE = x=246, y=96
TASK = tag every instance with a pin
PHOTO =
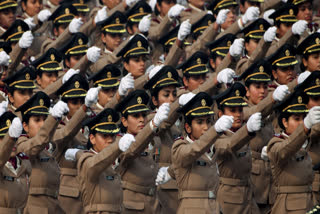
x=309, y=50
x=288, y=153
x=192, y=157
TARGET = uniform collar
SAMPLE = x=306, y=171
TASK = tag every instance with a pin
x=26, y=15
x=196, y=9
x=11, y=167
x=93, y=151
x=304, y=146
x=209, y=154
x=107, y=51
x=51, y=5
x=189, y=139
x=99, y=106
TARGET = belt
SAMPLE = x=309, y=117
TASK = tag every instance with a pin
x=10, y=210
x=293, y=189
x=316, y=176
x=43, y=191
x=196, y=194
x=103, y=207
x=68, y=171
x=233, y=181
x=137, y=188
x=257, y=155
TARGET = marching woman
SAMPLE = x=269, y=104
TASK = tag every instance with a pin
x=288, y=152
x=193, y=164
x=309, y=50
x=15, y=168
x=137, y=168
x=99, y=184
x=40, y=128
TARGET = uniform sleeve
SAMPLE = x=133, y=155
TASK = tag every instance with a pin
x=113, y=102
x=288, y=38
x=208, y=86
x=59, y=42
x=33, y=146
x=174, y=55
x=157, y=31
x=88, y=27
x=140, y=82
x=280, y=150
x=83, y=65
x=265, y=106
x=227, y=62
x=234, y=29
x=16, y=56
x=184, y=153
x=5, y=149
x=315, y=131
x=266, y=5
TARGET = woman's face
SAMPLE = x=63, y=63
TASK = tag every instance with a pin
x=284, y=75
x=136, y=66
x=111, y=41
x=194, y=81
x=7, y=17
x=134, y=122
x=199, y=126
x=283, y=29
x=74, y=105
x=105, y=95
x=305, y=12
x=46, y=79
x=165, y=6
x=32, y=7
x=257, y=92
x=237, y=113
x=73, y=60
x=19, y=97
x=313, y=101
x=13, y=151
x=251, y=46
x=101, y=141
x=312, y=63
x=34, y=125
x=231, y=18
x=165, y=95
x=292, y=123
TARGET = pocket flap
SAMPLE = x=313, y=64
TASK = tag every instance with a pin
x=255, y=169
x=133, y=205
x=34, y=209
x=69, y=191
x=235, y=195
x=296, y=201
x=169, y=185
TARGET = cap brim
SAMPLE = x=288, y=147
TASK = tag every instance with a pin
x=137, y=109
x=116, y=29
x=77, y=50
x=259, y=78
x=234, y=102
x=51, y=67
x=201, y=112
x=64, y=19
x=75, y=93
x=108, y=84
x=81, y=8
x=287, y=62
x=8, y=4
x=107, y=129
x=25, y=85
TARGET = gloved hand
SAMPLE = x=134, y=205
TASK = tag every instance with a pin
x=70, y=154
x=318, y=30
x=270, y=34
x=312, y=117
x=163, y=176
x=144, y=24
x=251, y=14
x=30, y=23
x=4, y=105
x=223, y=123
x=15, y=130
x=280, y=93
x=126, y=83
x=26, y=40
x=93, y=54
x=44, y=15
x=222, y=16
x=303, y=76
x=175, y=11
x=126, y=141
x=254, y=123
x=130, y=3
x=264, y=154
x=299, y=27
x=226, y=76
x=101, y=15
x=184, y=30
x=162, y=114
x=59, y=109
x=152, y=4
x=4, y=58
x=75, y=25
x=92, y=96
x=284, y=1
x=154, y=70
x=185, y=98
x=267, y=14
x=236, y=48
x=69, y=74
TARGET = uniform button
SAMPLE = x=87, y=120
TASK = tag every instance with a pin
x=152, y=166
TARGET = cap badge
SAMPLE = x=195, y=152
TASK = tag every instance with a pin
x=80, y=41
x=139, y=100
x=203, y=102
x=109, y=74
x=81, y=1
x=237, y=93
x=109, y=118
x=8, y=123
x=229, y=43
x=261, y=69
x=1, y=49
x=169, y=74
x=141, y=10
x=299, y=99
x=287, y=53
x=291, y=11
x=139, y=44
x=19, y=28
x=199, y=61
x=261, y=27
x=117, y=20
x=27, y=76
x=52, y=57
x=209, y=22
x=317, y=40
x=67, y=11
x=41, y=102
x=76, y=84
x=317, y=81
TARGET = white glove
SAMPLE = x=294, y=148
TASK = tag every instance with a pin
x=162, y=114
x=4, y=105
x=154, y=70
x=93, y=54
x=152, y=4
x=144, y=24
x=223, y=123
x=318, y=30
x=75, y=25
x=185, y=98
x=303, y=76
x=175, y=11
x=280, y=93
x=226, y=76
x=126, y=141
x=299, y=27
x=222, y=16
x=92, y=96
x=264, y=154
x=69, y=74
x=130, y=3
x=126, y=83
x=163, y=176
x=4, y=58
x=267, y=14
x=26, y=40
x=254, y=123
x=312, y=117
x=59, y=109
x=284, y=1
x=184, y=30
x=270, y=34
x=70, y=154
x=44, y=15
x=15, y=130
x=101, y=15
x=30, y=23
x=236, y=48
x=251, y=14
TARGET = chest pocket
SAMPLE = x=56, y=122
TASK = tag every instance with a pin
x=296, y=201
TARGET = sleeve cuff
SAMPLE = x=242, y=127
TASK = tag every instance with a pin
x=240, y=24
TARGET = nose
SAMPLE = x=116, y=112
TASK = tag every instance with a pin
x=172, y=98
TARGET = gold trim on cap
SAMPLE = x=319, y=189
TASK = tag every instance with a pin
x=63, y=15
x=133, y=49
x=75, y=47
x=230, y=98
x=101, y=124
x=35, y=107
x=165, y=79
x=136, y=105
x=195, y=109
x=131, y=18
x=74, y=89
x=258, y=73
x=15, y=34
x=19, y=81
x=194, y=66
x=294, y=105
x=254, y=31
x=46, y=63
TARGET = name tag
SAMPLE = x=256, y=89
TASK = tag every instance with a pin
x=201, y=163
x=44, y=159
x=242, y=154
x=110, y=177
x=300, y=158
x=144, y=153
x=8, y=178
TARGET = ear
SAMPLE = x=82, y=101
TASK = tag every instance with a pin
x=25, y=127
x=285, y=123
x=154, y=101
x=188, y=128
x=248, y=92
x=274, y=74
x=212, y=63
x=124, y=122
x=10, y=96
x=103, y=38
x=38, y=79
x=23, y=5
x=67, y=62
x=92, y=139
x=55, y=32
x=129, y=30
x=305, y=62
x=185, y=81
x=158, y=7
x=126, y=65
x=220, y=113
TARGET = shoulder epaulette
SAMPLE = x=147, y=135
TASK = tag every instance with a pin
x=272, y=86
x=62, y=123
x=22, y=156
x=179, y=138
x=120, y=134
x=156, y=20
x=278, y=136
x=24, y=135
x=188, y=10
